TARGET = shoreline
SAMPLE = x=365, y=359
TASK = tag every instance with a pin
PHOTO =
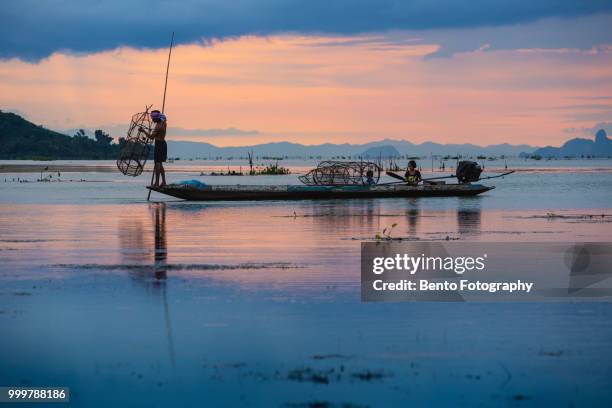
x=64, y=168
x=188, y=166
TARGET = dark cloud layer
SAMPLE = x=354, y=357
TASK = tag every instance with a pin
x=33, y=29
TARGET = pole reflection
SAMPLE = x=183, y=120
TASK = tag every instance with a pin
x=161, y=245
x=136, y=251
x=160, y=268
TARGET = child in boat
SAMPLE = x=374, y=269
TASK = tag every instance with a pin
x=412, y=176
x=370, y=178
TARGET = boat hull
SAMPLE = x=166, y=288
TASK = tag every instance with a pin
x=284, y=192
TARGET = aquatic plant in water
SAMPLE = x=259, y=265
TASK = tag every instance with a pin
x=386, y=233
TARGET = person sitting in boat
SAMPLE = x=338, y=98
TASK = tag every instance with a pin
x=370, y=178
x=412, y=176
x=161, y=147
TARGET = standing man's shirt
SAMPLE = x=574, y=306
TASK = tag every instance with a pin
x=159, y=131
x=161, y=147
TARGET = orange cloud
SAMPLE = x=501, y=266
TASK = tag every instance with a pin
x=321, y=89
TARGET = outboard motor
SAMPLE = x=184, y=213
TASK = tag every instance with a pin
x=468, y=171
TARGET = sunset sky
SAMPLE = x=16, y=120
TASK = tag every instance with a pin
x=537, y=73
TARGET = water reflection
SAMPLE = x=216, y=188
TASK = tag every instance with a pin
x=412, y=215
x=160, y=262
x=161, y=246
x=137, y=246
x=469, y=214
x=134, y=248
x=333, y=216
x=136, y=251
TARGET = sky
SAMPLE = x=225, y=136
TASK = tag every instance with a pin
x=249, y=72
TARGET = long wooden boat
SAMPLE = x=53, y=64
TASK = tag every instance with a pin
x=298, y=192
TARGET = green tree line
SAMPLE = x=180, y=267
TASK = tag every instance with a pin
x=23, y=140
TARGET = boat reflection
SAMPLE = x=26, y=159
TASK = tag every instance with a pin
x=332, y=216
x=413, y=215
x=469, y=215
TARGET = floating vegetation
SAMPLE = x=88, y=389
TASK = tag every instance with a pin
x=322, y=404
x=50, y=179
x=295, y=215
x=557, y=353
x=309, y=375
x=183, y=267
x=329, y=357
x=578, y=218
x=220, y=173
x=446, y=238
x=483, y=232
x=386, y=233
x=272, y=169
x=552, y=215
x=368, y=375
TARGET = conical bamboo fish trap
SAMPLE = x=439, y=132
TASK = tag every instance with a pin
x=341, y=173
x=134, y=154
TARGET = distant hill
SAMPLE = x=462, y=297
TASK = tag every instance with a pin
x=579, y=147
x=383, y=152
x=192, y=150
x=20, y=139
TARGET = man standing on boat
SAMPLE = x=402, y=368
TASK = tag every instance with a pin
x=161, y=147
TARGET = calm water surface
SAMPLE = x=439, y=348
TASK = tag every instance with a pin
x=257, y=304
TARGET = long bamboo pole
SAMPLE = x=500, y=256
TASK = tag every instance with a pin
x=164, y=100
x=167, y=70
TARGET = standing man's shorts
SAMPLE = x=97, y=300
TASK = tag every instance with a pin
x=161, y=151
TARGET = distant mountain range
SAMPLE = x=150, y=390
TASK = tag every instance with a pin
x=579, y=147
x=384, y=148
x=21, y=139
x=385, y=151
